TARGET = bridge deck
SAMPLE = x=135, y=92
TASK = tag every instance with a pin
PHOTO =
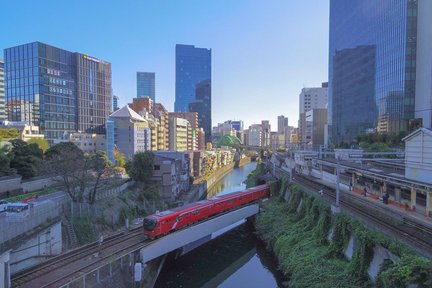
x=194, y=233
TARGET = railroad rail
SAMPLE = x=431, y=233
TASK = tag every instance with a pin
x=419, y=236
x=66, y=267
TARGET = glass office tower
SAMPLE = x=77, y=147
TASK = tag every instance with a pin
x=57, y=90
x=146, y=85
x=193, y=65
x=2, y=92
x=372, y=67
x=202, y=105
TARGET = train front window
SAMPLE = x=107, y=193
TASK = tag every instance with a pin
x=149, y=224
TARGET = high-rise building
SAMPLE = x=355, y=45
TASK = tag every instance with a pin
x=2, y=93
x=266, y=132
x=161, y=114
x=115, y=103
x=179, y=134
x=192, y=118
x=202, y=106
x=146, y=85
x=193, y=84
x=94, y=93
x=57, y=90
x=316, y=119
x=255, y=135
x=282, y=123
x=380, y=77
x=310, y=98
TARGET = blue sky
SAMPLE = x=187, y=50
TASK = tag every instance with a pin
x=263, y=52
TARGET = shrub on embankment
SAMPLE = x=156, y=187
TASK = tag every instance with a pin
x=297, y=232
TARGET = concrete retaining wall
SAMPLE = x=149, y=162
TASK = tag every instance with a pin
x=37, y=249
x=10, y=183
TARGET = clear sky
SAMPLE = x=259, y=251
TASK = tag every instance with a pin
x=263, y=52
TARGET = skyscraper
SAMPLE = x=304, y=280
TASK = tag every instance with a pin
x=2, y=92
x=57, y=90
x=115, y=103
x=380, y=66
x=202, y=105
x=282, y=123
x=146, y=85
x=193, y=83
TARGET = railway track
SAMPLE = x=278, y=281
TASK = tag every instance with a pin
x=56, y=271
x=419, y=241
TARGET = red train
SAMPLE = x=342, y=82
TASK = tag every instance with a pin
x=162, y=223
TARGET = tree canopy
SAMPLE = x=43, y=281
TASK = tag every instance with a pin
x=42, y=143
x=8, y=133
x=26, y=158
x=140, y=168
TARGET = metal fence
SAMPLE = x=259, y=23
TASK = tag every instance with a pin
x=13, y=224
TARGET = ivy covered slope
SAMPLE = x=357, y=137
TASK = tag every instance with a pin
x=299, y=239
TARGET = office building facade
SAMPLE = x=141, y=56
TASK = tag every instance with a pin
x=310, y=98
x=146, y=85
x=202, y=106
x=193, y=84
x=380, y=67
x=2, y=93
x=115, y=103
x=57, y=90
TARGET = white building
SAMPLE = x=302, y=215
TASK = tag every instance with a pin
x=310, y=98
x=418, y=155
x=255, y=135
x=128, y=132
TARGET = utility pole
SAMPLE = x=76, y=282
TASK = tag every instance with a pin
x=336, y=207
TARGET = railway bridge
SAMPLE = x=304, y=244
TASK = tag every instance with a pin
x=96, y=264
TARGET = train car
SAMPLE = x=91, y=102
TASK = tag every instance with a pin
x=162, y=223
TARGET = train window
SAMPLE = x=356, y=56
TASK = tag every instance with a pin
x=230, y=201
x=196, y=212
x=179, y=218
x=241, y=198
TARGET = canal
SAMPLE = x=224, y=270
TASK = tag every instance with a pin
x=235, y=259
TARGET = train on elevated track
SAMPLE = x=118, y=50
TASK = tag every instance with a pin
x=162, y=223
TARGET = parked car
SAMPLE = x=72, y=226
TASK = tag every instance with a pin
x=3, y=205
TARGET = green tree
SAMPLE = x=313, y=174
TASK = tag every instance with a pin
x=67, y=164
x=120, y=159
x=42, y=143
x=101, y=169
x=5, y=159
x=26, y=159
x=140, y=168
x=82, y=175
x=8, y=133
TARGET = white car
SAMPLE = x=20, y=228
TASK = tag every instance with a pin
x=3, y=205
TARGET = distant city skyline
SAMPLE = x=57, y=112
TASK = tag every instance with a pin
x=261, y=50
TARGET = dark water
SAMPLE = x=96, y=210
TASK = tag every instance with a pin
x=234, y=260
